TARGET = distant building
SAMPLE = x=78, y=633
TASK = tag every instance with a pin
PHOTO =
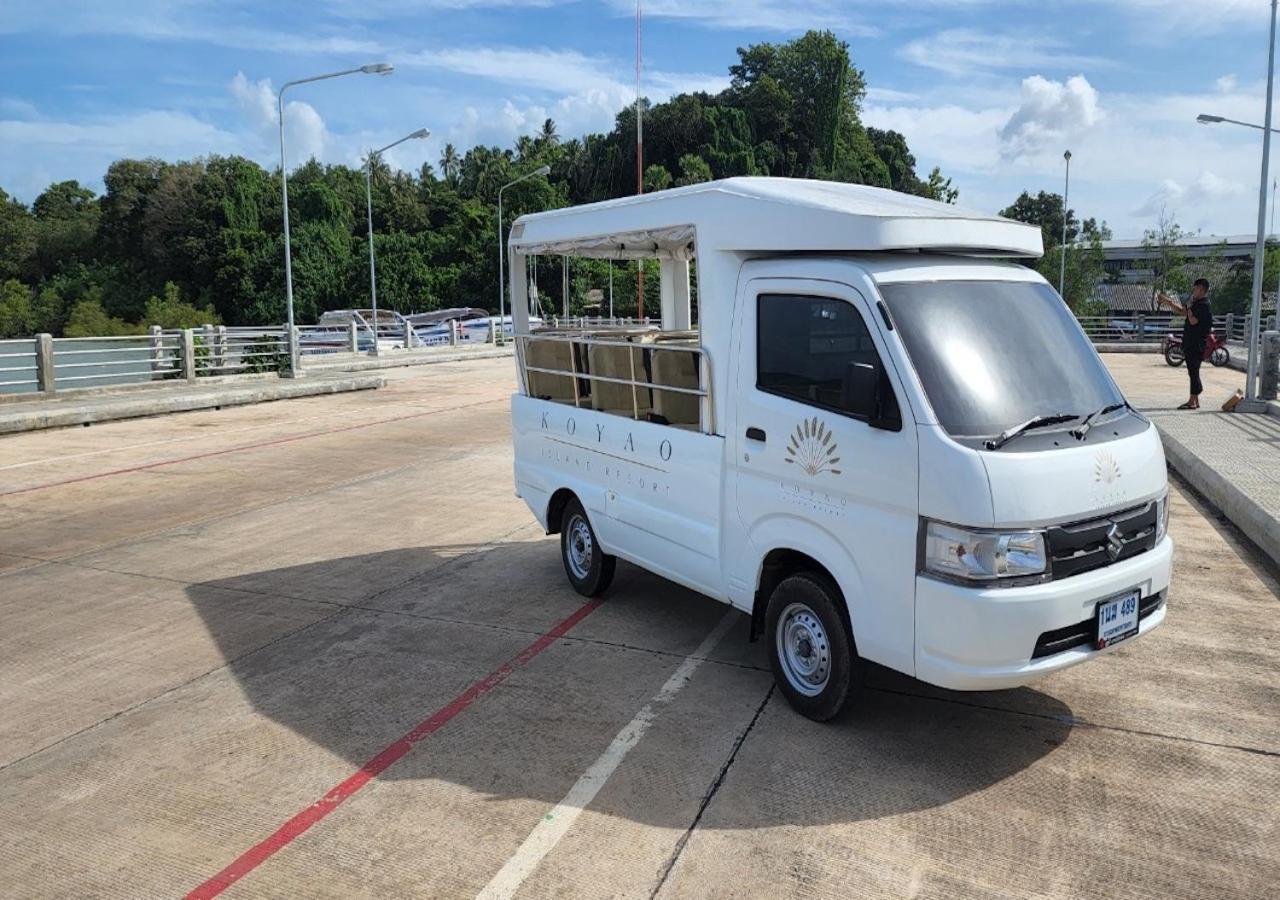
x=1130, y=275
x=1129, y=262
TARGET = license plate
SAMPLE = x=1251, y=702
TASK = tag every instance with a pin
x=1117, y=619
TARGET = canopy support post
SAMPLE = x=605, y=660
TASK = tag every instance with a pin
x=675, y=294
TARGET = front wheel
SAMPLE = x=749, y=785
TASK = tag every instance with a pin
x=589, y=568
x=1221, y=356
x=1173, y=355
x=812, y=654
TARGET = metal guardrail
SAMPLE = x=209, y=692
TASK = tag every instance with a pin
x=115, y=360
x=18, y=366
x=1152, y=328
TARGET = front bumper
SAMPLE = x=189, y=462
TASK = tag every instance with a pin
x=975, y=639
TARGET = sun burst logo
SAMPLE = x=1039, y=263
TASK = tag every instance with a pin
x=1105, y=468
x=813, y=448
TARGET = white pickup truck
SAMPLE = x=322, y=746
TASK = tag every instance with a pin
x=880, y=438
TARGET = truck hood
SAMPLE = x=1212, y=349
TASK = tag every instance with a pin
x=1075, y=482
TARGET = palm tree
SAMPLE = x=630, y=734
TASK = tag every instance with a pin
x=451, y=164
x=548, y=134
x=526, y=147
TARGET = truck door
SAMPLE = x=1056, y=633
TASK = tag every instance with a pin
x=812, y=471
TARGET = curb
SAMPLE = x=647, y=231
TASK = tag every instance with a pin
x=394, y=362
x=1255, y=522
x=134, y=405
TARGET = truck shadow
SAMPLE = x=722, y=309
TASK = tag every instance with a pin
x=372, y=664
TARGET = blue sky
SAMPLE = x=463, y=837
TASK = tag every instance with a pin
x=991, y=91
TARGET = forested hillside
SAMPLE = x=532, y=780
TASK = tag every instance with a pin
x=180, y=243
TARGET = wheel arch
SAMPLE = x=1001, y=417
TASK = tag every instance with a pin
x=555, y=508
x=781, y=563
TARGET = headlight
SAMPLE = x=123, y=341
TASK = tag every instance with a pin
x=1162, y=517
x=982, y=555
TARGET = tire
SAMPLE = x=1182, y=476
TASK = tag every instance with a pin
x=589, y=569
x=1221, y=356
x=1173, y=355
x=811, y=652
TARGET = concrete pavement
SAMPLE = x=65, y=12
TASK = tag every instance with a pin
x=320, y=649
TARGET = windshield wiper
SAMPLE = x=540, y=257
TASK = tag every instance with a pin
x=1079, y=432
x=1009, y=434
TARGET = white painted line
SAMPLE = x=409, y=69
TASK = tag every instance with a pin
x=556, y=823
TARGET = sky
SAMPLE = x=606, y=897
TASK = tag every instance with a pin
x=993, y=91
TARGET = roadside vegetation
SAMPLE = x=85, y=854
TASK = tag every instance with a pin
x=184, y=243
x=181, y=244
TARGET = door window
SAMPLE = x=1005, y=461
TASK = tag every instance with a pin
x=809, y=349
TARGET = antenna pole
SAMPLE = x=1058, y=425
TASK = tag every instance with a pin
x=639, y=159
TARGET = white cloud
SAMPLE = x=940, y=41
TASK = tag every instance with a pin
x=44, y=151
x=958, y=51
x=1187, y=198
x=1226, y=84
x=305, y=132
x=584, y=92
x=1050, y=111
x=771, y=15
x=561, y=71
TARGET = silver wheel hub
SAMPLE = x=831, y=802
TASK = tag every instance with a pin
x=803, y=649
x=579, y=547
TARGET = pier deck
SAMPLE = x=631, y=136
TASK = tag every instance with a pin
x=318, y=648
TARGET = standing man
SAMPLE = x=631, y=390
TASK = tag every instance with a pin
x=1195, y=333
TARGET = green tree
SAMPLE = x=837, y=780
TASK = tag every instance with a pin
x=66, y=217
x=693, y=170
x=17, y=240
x=170, y=311
x=1169, y=265
x=1045, y=210
x=16, y=315
x=89, y=319
x=656, y=178
x=1084, y=270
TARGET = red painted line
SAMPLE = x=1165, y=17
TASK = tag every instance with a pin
x=211, y=453
x=286, y=833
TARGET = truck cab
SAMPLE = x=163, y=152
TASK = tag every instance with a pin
x=880, y=436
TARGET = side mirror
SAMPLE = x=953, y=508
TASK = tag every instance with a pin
x=869, y=395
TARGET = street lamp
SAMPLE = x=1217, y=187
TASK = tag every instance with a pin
x=1259, y=261
x=502, y=325
x=1206, y=119
x=1062, y=272
x=371, y=69
x=419, y=135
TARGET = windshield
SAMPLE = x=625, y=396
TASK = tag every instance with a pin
x=993, y=354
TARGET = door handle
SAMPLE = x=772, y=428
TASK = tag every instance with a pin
x=755, y=434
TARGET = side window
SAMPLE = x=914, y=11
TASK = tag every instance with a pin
x=814, y=350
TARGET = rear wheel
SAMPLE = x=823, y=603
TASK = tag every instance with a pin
x=1173, y=355
x=813, y=657
x=1221, y=356
x=589, y=568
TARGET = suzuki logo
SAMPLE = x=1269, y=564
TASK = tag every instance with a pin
x=1115, y=543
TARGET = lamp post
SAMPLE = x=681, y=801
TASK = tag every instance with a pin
x=371, y=69
x=420, y=134
x=502, y=250
x=1066, y=188
x=1259, y=261
x=1207, y=119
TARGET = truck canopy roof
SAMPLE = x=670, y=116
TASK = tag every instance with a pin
x=752, y=215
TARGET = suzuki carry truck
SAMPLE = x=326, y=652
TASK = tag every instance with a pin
x=881, y=436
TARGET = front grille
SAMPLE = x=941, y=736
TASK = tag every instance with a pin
x=1084, y=546
x=1081, y=633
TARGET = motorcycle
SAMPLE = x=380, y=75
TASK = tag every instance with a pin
x=1215, y=350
